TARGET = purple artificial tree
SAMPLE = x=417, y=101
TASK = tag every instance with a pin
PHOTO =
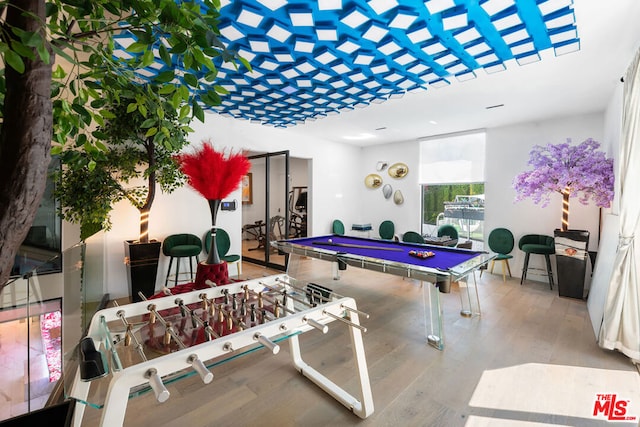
x=571, y=170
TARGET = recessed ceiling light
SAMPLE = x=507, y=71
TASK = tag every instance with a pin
x=359, y=137
x=433, y=122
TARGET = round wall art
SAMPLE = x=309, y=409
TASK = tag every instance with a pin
x=387, y=191
x=398, y=170
x=373, y=180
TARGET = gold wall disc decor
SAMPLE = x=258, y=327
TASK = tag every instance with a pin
x=373, y=180
x=398, y=170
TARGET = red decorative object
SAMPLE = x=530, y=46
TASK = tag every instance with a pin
x=211, y=174
x=217, y=273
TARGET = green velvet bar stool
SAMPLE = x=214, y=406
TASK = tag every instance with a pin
x=538, y=244
x=501, y=242
x=181, y=246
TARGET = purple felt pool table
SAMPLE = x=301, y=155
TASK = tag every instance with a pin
x=443, y=266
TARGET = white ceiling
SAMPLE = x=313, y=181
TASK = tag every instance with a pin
x=575, y=83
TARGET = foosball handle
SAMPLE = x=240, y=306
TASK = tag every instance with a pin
x=200, y=368
x=319, y=326
x=275, y=348
x=160, y=391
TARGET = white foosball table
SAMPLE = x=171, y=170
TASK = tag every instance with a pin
x=142, y=347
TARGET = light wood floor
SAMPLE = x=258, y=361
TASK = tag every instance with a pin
x=413, y=384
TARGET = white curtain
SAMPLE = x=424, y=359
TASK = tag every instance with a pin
x=621, y=322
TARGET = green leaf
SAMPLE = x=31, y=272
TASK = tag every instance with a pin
x=165, y=76
x=152, y=131
x=245, y=63
x=107, y=114
x=62, y=53
x=78, y=108
x=132, y=107
x=191, y=80
x=43, y=52
x=197, y=111
x=22, y=50
x=91, y=165
x=14, y=60
x=184, y=111
x=187, y=60
x=147, y=58
x=137, y=47
x=176, y=100
x=59, y=73
x=164, y=55
x=148, y=123
x=221, y=90
x=100, y=146
x=56, y=150
x=166, y=89
x=178, y=47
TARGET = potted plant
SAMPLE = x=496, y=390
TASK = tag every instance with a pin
x=141, y=132
x=573, y=171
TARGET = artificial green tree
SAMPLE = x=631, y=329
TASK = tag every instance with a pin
x=55, y=53
x=141, y=132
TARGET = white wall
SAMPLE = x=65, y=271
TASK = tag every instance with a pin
x=375, y=208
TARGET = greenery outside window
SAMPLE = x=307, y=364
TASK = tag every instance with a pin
x=460, y=204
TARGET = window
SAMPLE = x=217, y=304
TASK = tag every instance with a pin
x=452, y=179
x=461, y=205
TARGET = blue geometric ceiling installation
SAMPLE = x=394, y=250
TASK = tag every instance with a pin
x=313, y=58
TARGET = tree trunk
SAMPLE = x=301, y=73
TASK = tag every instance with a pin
x=25, y=139
x=565, y=209
x=145, y=210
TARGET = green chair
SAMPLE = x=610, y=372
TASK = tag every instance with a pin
x=337, y=227
x=449, y=230
x=412, y=237
x=501, y=242
x=223, y=243
x=181, y=246
x=539, y=244
x=387, y=230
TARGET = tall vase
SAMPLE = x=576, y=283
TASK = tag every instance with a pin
x=214, y=257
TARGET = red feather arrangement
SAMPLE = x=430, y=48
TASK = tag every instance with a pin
x=211, y=174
